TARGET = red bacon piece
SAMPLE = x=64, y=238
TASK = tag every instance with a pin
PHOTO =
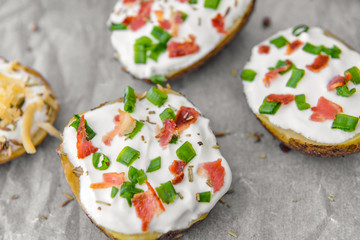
x=348, y=76
x=138, y=21
x=168, y=130
x=320, y=62
x=145, y=8
x=177, y=169
x=214, y=172
x=335, y=82
x=292, y=47
x=129, y=1
x=84, y=147
x=147, y=205
x=110, y=180
x=177, y=49
x=283, y=98
x=325, y=110
x=264, y=49
x=185, y=117
x=218, y=23
x=273, y=74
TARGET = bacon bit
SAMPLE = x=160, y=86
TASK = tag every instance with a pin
x=137, y=22
x=218, y=23
x=284, y=148
x=348, y=76
x=109, y=180
x=283, y=98
x=177, y=169
x=147, y=205
x=325, y=110
x=84, y=147
x=165, y=24
x=320, y=62
x=214, y=172
x=264, y=49
x=177, y=49
x=129, y=1
x=273, y=74
x=145, y=8
x=167, y=132
x=335, y=82
x=292, y=47
x=183, y=120
x=124, y=124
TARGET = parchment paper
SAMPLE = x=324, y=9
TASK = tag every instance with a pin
x=280, y=196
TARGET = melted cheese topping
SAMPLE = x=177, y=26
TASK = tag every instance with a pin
x=313, y=85
x=119, y=216
x=197, y=23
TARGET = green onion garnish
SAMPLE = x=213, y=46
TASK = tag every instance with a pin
x=154, y=165
x=142, y=45
x=301, y=102
x=114, y=191
x=160, y=34
x=158, y=79
x=355, y=74
x=137, y=176
x=333, y=52
x=269, y=107
x=136, y=130
x=183, y=15
x=128, y=155
x=186, y=152
x=129, y=99
x=298, y=30
x=105, y=163
x=174, y=139
x=203, y=197
x=296, y=76
x=344, y=91
x=128, y=190
x=248, y=75
x=211, y=4
x=345, y=122
x=118, y=26
x=193, y=1
x=157, y=50
x=89, y=132
x=279, y=42
x=168, y=113
x=312, y=48
x=156, y=96
x=282, y=63
x=166, y=192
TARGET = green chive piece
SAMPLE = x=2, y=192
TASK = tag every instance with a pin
x=142, y=45
x=183, y=15
x=269, y=107
x=154, y=165
x=168, y=113
x=193, y=1
x=105, y=163
x=129, y=99
x=157, y=50
x=203, y=197
x=298, y=30
x=248, y=75
x=118, y=26
x=301, y=102
x=166, y=192
x=158, y=79
x=333, y=52
x=355, y=74
x=160, y=34
x=174, y=139
x=90, y=134
x=137, y=176
x=296, y=76
x=186, y=152
x=345, y=122
x=136, y=130
x=211, y=4
x=128, y=155
x=281, y=63
x=156, y=96
x=312, y=48
x=279, y=42
x=344, y=91
x=128, y=190
x=114, y=191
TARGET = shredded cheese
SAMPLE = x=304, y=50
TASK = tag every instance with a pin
x=26, y=126
x=49, y=129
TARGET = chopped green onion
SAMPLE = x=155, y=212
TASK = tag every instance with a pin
x=166, y=192
x=282, y=63
x=154, y=165
x=248, y=75
x=157, y=50
x=137, y=176
x=269, y=107
x=183, y=15
x=345, y=122
x=89, y=132
x=156, y=96
x=128, y=155
x=203, y=197
x=105, y=163
x=118, y=26
x=158, y=79
x=130, y=99
x=301, y=102
x=298, y=30
x=128, y=190
x=344, y=91
x=211, y=4
x=142, y=45
x=174, y=139
x=334, y=52
x=355, y=74
x=296, y=76
x=312, y=48
x=114, y=191
x=136, y=130
x=193, y=1
x=168, y=113
x=186, y=152
x=160, y=34
x=279, y=42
